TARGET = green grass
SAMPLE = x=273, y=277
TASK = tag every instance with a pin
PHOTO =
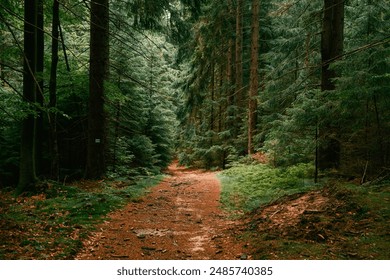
x=52, y=224
x=372, y=208
x=246, y=187
x=354, y=225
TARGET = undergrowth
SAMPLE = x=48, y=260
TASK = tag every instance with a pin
x=246, y=187
x=53, y=223
x=352, y=225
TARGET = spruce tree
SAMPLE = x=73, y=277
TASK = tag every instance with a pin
x=254, y=79
x=27, y=172
x=99, y=59
x=332, y=45
x=361, y=89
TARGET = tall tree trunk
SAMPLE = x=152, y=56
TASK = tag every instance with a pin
x=2, y=72
x=239, y=39
x=99, y=58
x=39, y=87
x=239, y=66
x=230, y=90
x=254, y=75
x=381, y=151
x=221, y=102
x=116, y=134
x=212, y=113
x=332, y=42
x=27, y=174
x=54, y=168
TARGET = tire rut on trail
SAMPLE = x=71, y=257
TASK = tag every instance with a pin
x=179, y=219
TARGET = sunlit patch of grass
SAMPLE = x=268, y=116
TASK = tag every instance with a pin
x=247, y=187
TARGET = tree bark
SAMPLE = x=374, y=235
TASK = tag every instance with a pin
x=54, y=167
x=332, y=41
x=212, y=113
x=99, y=58
x=39, y=87
x=27, y=173
x=239, y=38
x=254, y=76
x=230, y=70
x=221, y=102
x=240, y=100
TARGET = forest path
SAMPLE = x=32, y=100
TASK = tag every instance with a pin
x=180, y=218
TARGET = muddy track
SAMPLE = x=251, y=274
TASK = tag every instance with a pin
x=180, y=218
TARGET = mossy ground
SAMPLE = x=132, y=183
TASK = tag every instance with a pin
x=289, y=219
x=52, y=223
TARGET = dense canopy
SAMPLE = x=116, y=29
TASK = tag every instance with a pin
x=119, y=88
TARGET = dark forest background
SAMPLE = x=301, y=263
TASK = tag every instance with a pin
x=93, y=89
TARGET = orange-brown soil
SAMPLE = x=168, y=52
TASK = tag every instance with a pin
x=179, y=219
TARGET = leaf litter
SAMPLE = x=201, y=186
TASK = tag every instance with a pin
x=182, y=218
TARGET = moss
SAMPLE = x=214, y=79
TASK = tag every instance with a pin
x=250, y=186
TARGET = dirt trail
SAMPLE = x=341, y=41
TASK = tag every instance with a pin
x=179, y=219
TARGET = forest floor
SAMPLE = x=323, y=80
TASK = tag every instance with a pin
x=333, y=223
x=182, y=217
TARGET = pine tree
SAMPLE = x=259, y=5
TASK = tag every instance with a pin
x=361, y=90
x=332, y=43
x=140, y=98
x=27, y=173
x=54, y=168
x=210, y=110
x=290, y=107
x=254, y=79
x=99, y=54
x=240, y=99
